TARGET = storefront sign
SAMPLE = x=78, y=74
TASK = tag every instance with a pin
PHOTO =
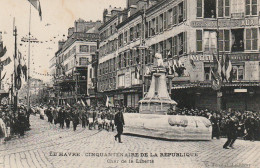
x=240, y=90
x=245, y=57
x=252, y=70
x=201, y=57
x=224, y=23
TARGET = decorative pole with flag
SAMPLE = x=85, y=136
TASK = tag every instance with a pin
x=37, y=6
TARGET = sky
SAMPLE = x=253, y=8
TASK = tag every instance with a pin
x=57, y=17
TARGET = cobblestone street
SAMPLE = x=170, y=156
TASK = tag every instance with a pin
x=44, y=141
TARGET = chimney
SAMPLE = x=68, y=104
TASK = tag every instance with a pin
x=60, y=44
x=70, y=31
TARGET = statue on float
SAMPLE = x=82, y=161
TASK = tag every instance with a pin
x=152, y=119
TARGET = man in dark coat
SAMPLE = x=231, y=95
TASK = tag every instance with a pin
x=250, y=125
x=215, y=126
x=61, y=117
x=231, y=130
x=119, y=122
x=75, y=119
x=22, y=122
x=67, y=117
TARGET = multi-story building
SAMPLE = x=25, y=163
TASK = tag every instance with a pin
x=193, y=34
x=73, y=62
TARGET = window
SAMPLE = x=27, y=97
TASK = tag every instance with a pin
x=161, y=23
x=237, y=8
x=174, y=46
x=238, y=72
x=251, y=39
x=224, y=40
x=180, y=12
x=165, y=20
x=199, y=40
x=121, y=80
x=175, y=15
x=120, y=41
x=207, y=73
x=146, y=29
x=156, y=24
x=152, y=27
x=199, y=8
x=131, y=57
x=169, y=18
x=138, y=30
x=210, y=9
x=93, y=49
x=169, y=48
x=237, y=40
x=84, y=48
x=210, y=41
x=182, y=45
x=82, y=61
x=131, y=34
x=125, y=37
x=223, y=8
x=251, y=7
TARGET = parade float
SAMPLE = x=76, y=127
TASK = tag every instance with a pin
x=152, y=119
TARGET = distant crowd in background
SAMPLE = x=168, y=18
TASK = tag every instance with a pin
x=13, y=124
x=246, y=123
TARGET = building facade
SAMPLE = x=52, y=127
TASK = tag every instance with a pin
x=73, y=62
x=190, y=34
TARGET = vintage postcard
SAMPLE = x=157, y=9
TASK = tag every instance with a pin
x=129, y=83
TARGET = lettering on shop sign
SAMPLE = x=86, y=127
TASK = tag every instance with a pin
x=200, y=57
x=245, y=57
x=224, y=23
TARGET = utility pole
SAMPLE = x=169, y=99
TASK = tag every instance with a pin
x=15, y=57
x=29, y=48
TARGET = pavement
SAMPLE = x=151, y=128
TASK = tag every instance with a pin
x=48, y=146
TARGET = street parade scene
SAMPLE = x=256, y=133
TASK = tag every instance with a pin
x=129, y=83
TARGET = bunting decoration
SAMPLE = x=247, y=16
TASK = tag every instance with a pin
x=5, y=62
x=192, y=62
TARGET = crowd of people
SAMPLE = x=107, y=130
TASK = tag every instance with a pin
x=91, y=117
x=230, y=124
x=245, y=124
x=13, y=123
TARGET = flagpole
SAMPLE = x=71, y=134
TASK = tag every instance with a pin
x=29, y=49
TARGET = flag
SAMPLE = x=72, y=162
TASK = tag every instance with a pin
x=169, y=68
x=192, y=62
x=107, y=102
x=82, y=102
x=137, y=73
x=213, y=75
x=2, y=53
x=37, y=5
x=219, y=70
x=229, y=69
x=223, y=75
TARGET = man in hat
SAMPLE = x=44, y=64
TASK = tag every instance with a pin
x=231, y=130
x=119, y=122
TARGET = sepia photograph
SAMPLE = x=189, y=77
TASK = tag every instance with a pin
x=129, y=83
